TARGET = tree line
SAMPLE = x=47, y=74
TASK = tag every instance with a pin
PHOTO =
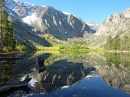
x=8, y=42
x=118, y=43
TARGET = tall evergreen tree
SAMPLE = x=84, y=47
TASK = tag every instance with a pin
x=12, y=41
x=116, y=43
x=108, y=45
x=5, y=28
x=1, y=34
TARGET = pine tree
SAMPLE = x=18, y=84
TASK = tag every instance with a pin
x=1, y=34
x=5, y=28
x=11, y=36
x=116, y=43
x=108, y=45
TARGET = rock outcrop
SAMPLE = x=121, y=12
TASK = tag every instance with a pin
x=115, y=23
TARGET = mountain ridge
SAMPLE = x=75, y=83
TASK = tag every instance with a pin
x=114, y=22
x=46, y=19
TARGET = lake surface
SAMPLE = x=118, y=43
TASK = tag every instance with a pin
x=66, y=75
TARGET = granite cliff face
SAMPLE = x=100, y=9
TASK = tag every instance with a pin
x=46, y=19
x=115, y=23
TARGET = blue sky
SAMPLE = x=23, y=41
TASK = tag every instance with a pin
x=88, y=10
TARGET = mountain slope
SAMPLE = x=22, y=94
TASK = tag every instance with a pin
x=45, y=20
x=26, y=36
x=117, y=23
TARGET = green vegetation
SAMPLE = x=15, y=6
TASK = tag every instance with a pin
x=118, y=43
x=8, y=42
x=118, y=59
x=53, y=40
x=21, y=47
x=6, y=73
x=71, y=45
x=7, y=68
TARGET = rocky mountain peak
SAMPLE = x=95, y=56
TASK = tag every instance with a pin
x=22, y=9
x=115, y=23
x=126, y=13
x=113, y=18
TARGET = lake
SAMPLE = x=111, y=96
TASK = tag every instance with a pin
x=65, y=75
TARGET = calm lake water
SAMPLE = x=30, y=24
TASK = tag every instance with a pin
x=66, y=75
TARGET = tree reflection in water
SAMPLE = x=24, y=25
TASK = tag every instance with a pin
x=64, y=71
x=6, y=71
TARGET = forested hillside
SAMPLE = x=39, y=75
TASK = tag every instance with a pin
x=118, y=43
x=7, y=40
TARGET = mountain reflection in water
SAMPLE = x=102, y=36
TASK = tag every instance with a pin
x=69, y=76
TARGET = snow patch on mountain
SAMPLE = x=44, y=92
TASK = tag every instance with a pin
x=89, y=23
x=66, y=13
x=31, y=19
x=16, y=0
x=69, y=14
x=93, y=27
